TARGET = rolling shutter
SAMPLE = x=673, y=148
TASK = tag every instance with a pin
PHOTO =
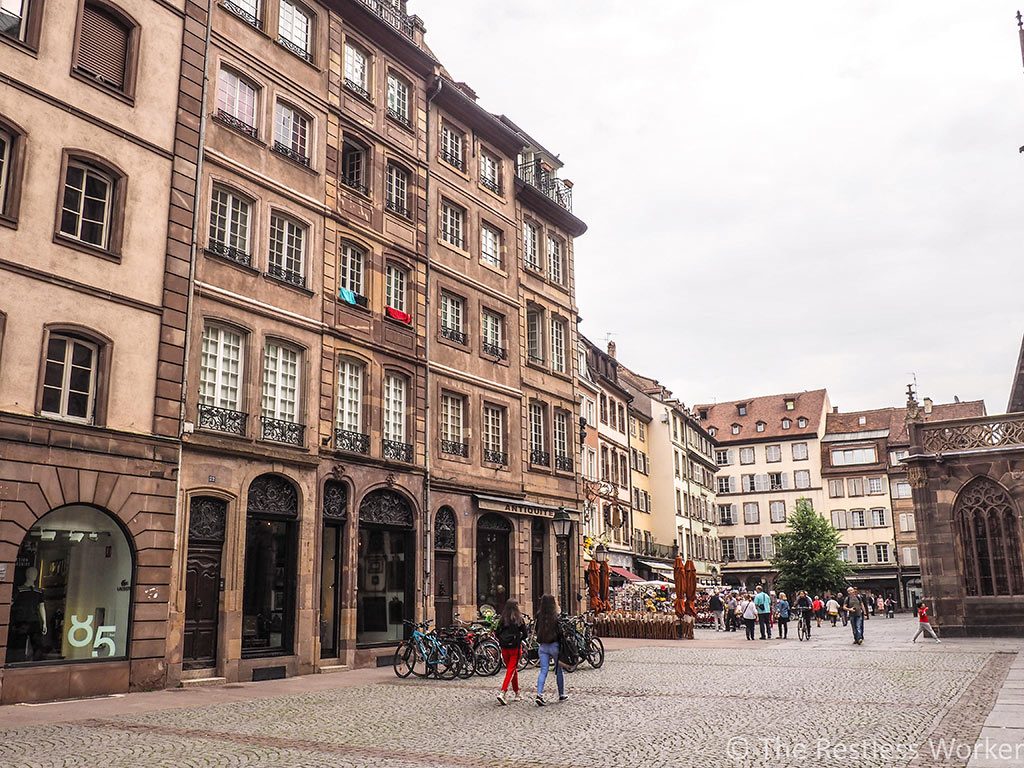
x=103, y=46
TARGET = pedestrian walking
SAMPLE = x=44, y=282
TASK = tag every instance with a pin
x=716, y=607
x=748, y=612
x=804, y=603
x=890, y=608
x=782, y=615
x=832, y=610
x=763, y=607
x=511, y=631
x=924, y=624
x=818, y=607
x=855, y=608
x=546, y=626
x=731, y=617
x=879, y=605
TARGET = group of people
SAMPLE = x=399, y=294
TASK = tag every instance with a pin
x=512, y=630
x=768, y=612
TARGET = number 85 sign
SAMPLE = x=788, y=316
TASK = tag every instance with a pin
x=81, y=635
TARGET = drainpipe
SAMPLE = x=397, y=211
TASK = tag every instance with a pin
x=427, y=517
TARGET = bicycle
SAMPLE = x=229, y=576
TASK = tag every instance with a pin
x=801, y=624
x=424, y=654
x=484, y=651
x=591, y=647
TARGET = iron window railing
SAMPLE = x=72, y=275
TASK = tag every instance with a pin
x=222, y=419
x=495, y=457
x=352, y=442
x=241, y=13
x=397, y=451
x=358, y=90
x=494, y=350
x=361, y=301
x=546, y=182
x=399, y=118
x=390, y=15
x=542, y=458
x=288, y=45
x=564, y=463
x=453, y=160
x=239, y=125
x=354, y=183
x=280, y=431
x=453, y=239
x=227, y=252
x=455, y=448
x=491, y=184
x=291, y=154
x=397, y=206
x=286, y=275
x=453, y=334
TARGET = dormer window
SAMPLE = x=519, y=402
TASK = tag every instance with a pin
x=801, y=422
x=760, y=426
x=862, y=420
x=712, y=431
x=703, y=414
x=735, y=429
x=790, y=403
x=742, y=409
x=786, y=423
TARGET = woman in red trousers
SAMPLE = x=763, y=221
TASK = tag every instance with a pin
x=511, y=632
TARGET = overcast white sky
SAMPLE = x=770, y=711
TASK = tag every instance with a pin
x=781, y=196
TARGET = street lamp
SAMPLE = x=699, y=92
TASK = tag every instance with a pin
x=601, y=553
x=562, y=523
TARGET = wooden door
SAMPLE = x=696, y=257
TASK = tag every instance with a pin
x=444, y=566
x=202, y=607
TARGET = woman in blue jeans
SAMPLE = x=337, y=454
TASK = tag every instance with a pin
x=547, y=638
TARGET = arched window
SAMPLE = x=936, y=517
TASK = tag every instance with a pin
x=986, y=520
x=72, y=589
x=385, y=590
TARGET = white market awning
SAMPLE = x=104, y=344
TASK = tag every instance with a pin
x=660, y=567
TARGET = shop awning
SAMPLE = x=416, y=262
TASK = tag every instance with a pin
x=627, y=575
x=659, y=567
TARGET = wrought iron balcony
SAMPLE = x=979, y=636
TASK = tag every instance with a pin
x=495, y=457
x=546, y=182
x=291, y=154
x=494, y=350
x=241, y=13
x=563, y=463
x=455, y=448
x=399, y=118
x=397, y=206
x=351, y=442
x=453, y=159
x=971, y=435
x=283, y=431
x=453, y=334
x=491, y=184
x=356, y=183
x=358, y=90
x=239, y=125
x=288, y=45
x=397, y=451
x=227, y=252
x=222, y=419
x=541, y=458
x=391, y=15
x=650, y=549
x=287, y=275
x=727, y=521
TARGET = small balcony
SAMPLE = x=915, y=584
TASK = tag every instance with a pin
x=351, y=442
x=238, y=124
x=222, y=420
x=453, y=160
x=290, y=276
x=491, y=184
x=453, y=334
x=228, y=252
x=455, y=448
x=285, y=151
x=650, y=549
x=358, y=90
x=494, y=350
x=495, y=457
x=540, y=458
x=976, y=434
x=394, y=17
x=241, y=13
x=280, y=431
x=564, y=463
x=397, y=451
x=547, y=183
x=398, y=207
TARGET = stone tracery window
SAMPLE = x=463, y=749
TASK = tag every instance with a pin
x=987, y=524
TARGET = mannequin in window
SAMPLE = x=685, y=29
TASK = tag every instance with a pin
x=28, y=620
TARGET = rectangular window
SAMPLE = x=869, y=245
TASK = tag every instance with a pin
x=103, y=46
x=726, y=484
x=490, y=168
x=862, y=553
x=777, y=511
x=723, y=457
x=846, y=457
x=839, y=519
x=396, y=288
x=357, y=70
x=538, y=442
x=895, y=457
x=293, y=28
x=907, y=522
x=14, y=18
x=855, y=486
x=397, y=190
x=280, y=383
x=558, y=359
x=5, y=152
x=353, y=165
x=291, y=129
x=490, y=246
x=751, y=513
x=452, y=313
x=726, y=514
x=86, y=205
x=220, y=369
x=556, y=260
x=746, y=455
x=535, y=346
x=561, y=435
x=799, y=451
x=229, y=225
x=494, y=433
x=778, y=481
x=451, y=421
x=453, y=146
x=398, y=99
x=287, y=250
x=836, y=489
x=531, y=258
x=394, y=408
x=843, y=553
x=901, y=490
x=802, y=478
x=350, y=396
x=352, y=263
x=69, y=378
x=773, y=453
x=452, y=222
x=729, y=549
x=250, y=10
x=875, y=486
x=753, y=548
x=858, y=518
x=910, y=556
x=878, y=518
x=491, y=330
x=236, y=101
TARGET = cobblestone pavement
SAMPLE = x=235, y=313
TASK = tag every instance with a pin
x=715, y=702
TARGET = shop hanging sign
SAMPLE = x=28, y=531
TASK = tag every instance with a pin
x=516, y=507
x=82, y=635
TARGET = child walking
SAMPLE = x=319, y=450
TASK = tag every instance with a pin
x=923, y=623
x=511, y=632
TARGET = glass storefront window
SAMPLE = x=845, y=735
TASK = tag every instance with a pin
x=72, y=589
x=492, y=561
x=384, y=590
x=267, y=598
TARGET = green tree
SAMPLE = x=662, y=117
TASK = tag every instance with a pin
x=806, y=556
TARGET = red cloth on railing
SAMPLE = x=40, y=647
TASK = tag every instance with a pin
x=402, y=317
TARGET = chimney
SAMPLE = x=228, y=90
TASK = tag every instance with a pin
x=611, y=349
x=835, y=409
x=927, y=405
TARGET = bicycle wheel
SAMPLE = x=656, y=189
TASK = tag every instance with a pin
x=487, y=659
x=595, y=652
x=524, y=656
x=422, y=664
x=405, y=658
x=801, y=630
x=449, y=661
x=467, y=670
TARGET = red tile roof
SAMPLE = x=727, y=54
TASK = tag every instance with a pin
x=845, y=423
x=898, y=434
x=771, y=410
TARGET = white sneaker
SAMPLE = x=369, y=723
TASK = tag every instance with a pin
x=501, y=698
x=517, y=697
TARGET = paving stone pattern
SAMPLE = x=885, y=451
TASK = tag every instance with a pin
x=688, y=705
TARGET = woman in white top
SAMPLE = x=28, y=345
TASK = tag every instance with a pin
x=749, y=616
x=832, y=609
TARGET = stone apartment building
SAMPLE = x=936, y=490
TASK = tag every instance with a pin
x=98, y=136
x=768, y=455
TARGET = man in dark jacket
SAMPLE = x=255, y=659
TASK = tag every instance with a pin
x=716, y=607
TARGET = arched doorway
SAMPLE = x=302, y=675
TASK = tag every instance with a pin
x=271, y=544
x=207, y=518
x=335, y=513
x=492, y=560
x=990, y=539
x=538, y=561
x=445, y=541
x=384, y=595
x=72, y=593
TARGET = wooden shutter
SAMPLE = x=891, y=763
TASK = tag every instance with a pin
x=103, y=46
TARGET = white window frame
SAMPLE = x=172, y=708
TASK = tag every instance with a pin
x=773, y=509
x=901, y=490
x=490, y=170
x=453, y=408
x=453, y=224
x=294, y=25
x=357, y=66
x=558, y=334
x=6, y=143
x=395, y=390
x=538, y=434
x=858, y=518
x=453, y=146
x=492, y=328
x=535, y=335
x=531, y=239
x=18, y=9
x=490, y=246
x=747, y=456
x=223, y=356
x=287, y=251
x=878, y=517
x=800, y=452
x=282, y=383
x=773, y=454
x=754, y=552
x=292, y=129
x=494, y=428
x=77, y=212
x=237, y=96
x=875, y=486
x=350, y=395
x=397, y=189
x=453, y=312
x=399, y=98
x=351, y=267
x=802, y=479
x=560, y=434
x=396, y=288
x=751, y=513
x=230, y=220
x=71, y=343
x=862, y=559
x=556, y=260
